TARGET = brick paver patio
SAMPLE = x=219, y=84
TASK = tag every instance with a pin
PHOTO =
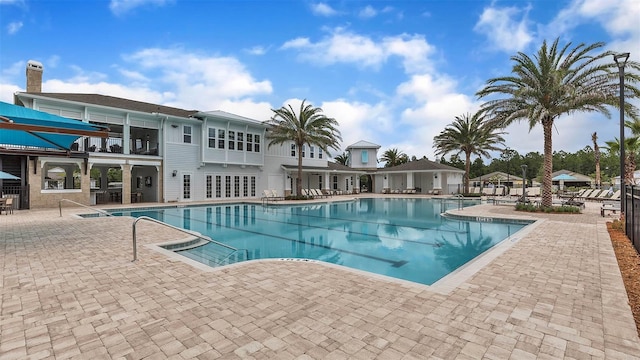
x=70, y=290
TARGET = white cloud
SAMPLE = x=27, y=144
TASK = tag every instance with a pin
x=14, y=27
x=368, y=12
x=199, y=81
x=503, y=30
x=120, y=7
x=618, y=18
x=257, y=50
x=12, y=2
x=323, y=9
x=341, y=46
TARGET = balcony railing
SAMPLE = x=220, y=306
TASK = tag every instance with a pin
x=114, y=145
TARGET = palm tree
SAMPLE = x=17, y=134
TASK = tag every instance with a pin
x=596, y=154
x=632, y=147
x=309, y=126
x=557, y=82
x=468, y=134
x=342, y=159
x=393, y=157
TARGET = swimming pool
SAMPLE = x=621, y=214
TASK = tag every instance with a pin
x=402, y=238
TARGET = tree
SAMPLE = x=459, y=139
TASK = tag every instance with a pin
x=555, y=82
x=468, y=134
x=596, y=155
x=632, y=146
x=309, y=126
x=342, y=159
x=394, y=157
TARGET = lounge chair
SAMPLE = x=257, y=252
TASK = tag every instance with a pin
x=317, y=193
x=597, y=195
x=275, y=196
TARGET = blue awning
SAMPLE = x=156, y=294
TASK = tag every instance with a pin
x=27, y=127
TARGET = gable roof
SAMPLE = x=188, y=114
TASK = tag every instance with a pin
x=363, y=145
x=421, y=165
x=578, y=177
x=115, y=102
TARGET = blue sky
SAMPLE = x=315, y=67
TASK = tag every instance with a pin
x=391, y=72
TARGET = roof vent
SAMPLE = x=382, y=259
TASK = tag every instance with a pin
x=35, y=65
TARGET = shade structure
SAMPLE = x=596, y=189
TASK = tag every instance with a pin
x=7, y=176
x=563, y=177
x=27, y=127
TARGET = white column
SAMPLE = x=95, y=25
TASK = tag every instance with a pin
x=325, y=182
x=410, y=180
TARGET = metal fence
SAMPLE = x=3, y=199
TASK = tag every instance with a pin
x=20, y=194
x=632, y=215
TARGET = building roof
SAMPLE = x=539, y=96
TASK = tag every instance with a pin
x=363, y=145
x=116, y=103
x=578, y=177
x=420, y=165
x=228, y=115
x=331, y=166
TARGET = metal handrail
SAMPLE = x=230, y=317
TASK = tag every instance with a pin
x=83, y=205
x=135, y=242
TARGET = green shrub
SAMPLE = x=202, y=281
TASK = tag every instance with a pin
x=528, y=207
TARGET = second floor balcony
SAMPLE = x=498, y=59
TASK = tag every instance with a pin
x=116, y=144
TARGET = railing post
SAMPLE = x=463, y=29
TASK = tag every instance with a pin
x=135, y=243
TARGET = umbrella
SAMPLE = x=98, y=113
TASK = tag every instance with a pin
x=7, y=176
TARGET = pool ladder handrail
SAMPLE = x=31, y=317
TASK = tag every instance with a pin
x=206, y=238
x=83, y=205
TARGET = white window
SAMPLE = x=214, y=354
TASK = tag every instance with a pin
x=319, y=153
x=240, y=141
x=232, y=140
x=293, y=150
x=212, y=138
x=256, y=145
x=312, y=150
x=249, y=142
x=221, y=139
x=186, y=134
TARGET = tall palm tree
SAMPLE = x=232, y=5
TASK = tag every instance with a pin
x=342, y=159
x=393, y=157
x=558, y=81
x=309, y=126
x=596, y=154
x=468, y=134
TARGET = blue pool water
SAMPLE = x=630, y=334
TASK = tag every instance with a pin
x=402, y=238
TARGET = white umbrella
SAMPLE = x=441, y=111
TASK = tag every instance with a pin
x=7, y=176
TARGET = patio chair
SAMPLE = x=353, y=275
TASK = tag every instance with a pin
x=7, y=206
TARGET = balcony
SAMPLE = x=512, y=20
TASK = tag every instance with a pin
x=114, y=145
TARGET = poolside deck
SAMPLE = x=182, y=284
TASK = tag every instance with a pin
x=68, y=289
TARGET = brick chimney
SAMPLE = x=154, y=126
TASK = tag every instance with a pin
x=34, y=76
